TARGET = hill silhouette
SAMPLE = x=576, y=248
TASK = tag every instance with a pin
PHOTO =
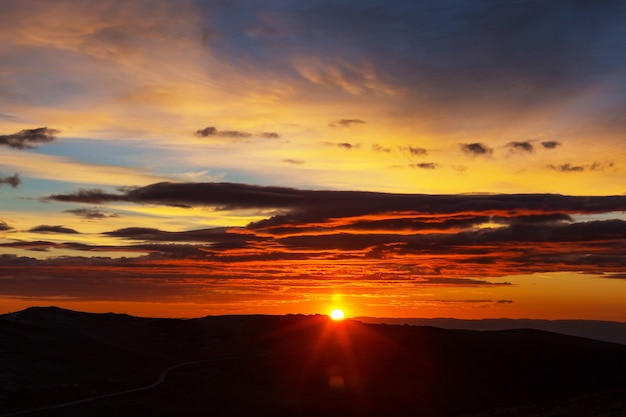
x=290, y=365
x=607, y=331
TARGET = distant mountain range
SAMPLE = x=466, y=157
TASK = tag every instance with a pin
x=56, y=362
x=608, y=331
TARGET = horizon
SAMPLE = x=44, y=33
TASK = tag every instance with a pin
x=328, y=314
x=193, y=158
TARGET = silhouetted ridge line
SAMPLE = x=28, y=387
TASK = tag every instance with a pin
x=287, y=365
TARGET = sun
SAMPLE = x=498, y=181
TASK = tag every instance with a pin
x=337, y=314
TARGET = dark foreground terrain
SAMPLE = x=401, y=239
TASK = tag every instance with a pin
x=296, y=366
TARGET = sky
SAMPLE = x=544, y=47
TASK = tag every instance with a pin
x=396, y=158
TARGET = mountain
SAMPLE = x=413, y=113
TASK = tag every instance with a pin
x=290, y=365
x=607, y=331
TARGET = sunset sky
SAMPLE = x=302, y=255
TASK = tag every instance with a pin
x=431, y=158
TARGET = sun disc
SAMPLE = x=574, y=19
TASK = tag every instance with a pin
x=337, y=314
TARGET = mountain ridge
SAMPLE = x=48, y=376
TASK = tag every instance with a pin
x=287, y=365
x=603, y=330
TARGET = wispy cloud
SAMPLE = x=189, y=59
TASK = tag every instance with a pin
x=212, y=131
x=425, y=165
x=521, y=147
x=551, y=144
x=91, y=213
x=344, y=145
x=414, y=150
x=476, y=149
x=52, y=229
x=346, y=122
x=294, y=161
x=13, y=180
x=29, y=138
x=379, y=148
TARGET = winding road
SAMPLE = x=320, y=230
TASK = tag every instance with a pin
x=160, y=379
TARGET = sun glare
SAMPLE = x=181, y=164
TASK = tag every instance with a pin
x=337, y=314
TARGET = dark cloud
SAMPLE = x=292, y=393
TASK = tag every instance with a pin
x=346, y=122
x=550, y=144
x=567, y=168
x=4, y=227
x=212, y=131
x=215, y=238
x=91, y=213
x=486, y=235
x=236, y=134
x=521, y=147
x=343, y=145
x=466, y=239
x=13, y=180
x=414, y=150
x=615, y=276
x=29, y=138
x=294, y=161
x=206, y=132
x=595, y=166
x=92, y=196
x=601, y=166
x=379, y=148
x=425, y=165
x=234, y=195
x=52, y=229
x=269, y=135
x=476, y=149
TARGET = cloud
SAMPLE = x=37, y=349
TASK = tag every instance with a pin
x=338, y=203
x=4, y=226
x=190, y=194
x=601, y=166
x=52, y=229
x=294, y=161
x=567, y=167
x=551, y=144
x=379, y=148
x=29, y=138
x=13, y=180
x=212, y=131
x=91, y=213
x=476, y=149
x=521, y=147
x=615, y=276
x=344, y=145
x=414, y=150
x=425, y=165
x=346, y=122
x=270, y=135
x=596, y=166
x=317, y=237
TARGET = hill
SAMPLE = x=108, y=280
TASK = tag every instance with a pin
x=287, y=366
x=607, y=331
